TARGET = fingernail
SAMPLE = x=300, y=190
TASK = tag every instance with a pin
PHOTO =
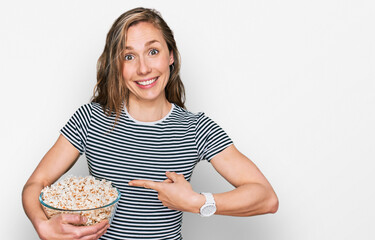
x=130, y=183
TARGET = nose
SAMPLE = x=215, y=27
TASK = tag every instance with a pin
x=143, y=67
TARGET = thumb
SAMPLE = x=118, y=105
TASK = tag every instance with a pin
x=172, y=176
x=75, y=219
x=167, y=181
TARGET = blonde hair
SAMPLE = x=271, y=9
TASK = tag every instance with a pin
x=110, y=90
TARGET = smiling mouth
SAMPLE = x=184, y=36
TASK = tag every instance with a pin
x=147, y=82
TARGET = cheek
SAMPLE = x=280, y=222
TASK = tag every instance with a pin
x=126, y=74
x=162, y=64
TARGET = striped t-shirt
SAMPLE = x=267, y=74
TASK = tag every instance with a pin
x=143, y=150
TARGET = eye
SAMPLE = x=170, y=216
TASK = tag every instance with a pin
x=153, y=51
x=128, y=57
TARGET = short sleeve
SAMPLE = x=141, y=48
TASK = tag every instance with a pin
x=210, y=138
x=77, y=127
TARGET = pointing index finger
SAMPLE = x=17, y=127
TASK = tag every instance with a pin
x=146, y=184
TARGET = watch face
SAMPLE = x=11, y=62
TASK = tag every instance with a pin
x=208, y=210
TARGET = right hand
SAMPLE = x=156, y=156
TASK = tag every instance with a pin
x=61, y=227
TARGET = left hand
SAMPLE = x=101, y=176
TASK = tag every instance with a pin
x=175, y=192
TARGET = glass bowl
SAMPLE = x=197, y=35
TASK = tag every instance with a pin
x=93, y=215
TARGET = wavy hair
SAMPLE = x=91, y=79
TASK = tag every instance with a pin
x=110, y=90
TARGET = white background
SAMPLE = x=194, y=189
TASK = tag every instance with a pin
x=292, y=83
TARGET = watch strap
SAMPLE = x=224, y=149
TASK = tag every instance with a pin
x=209, y=198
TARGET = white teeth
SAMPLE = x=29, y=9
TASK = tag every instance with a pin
x=148, y=82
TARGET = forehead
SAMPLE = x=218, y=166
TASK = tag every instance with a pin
x=141, y=33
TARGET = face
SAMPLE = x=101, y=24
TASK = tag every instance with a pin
x=146, y=63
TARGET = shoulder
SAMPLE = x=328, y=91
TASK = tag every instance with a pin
x=93, y=109
x=85, y=107
x=84, y=110
x=88, y=111
x=182, y=115
x=198, y=121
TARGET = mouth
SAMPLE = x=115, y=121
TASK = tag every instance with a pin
x=147, y=82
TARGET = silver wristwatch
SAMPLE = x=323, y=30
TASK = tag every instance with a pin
x=209, y=208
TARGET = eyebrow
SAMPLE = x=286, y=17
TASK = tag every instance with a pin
x=146, y=44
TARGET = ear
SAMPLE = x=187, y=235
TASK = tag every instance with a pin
x=171, y=58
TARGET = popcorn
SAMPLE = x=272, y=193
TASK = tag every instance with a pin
x=81, y=195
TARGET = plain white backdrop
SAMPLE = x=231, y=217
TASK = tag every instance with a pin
x=292, y=82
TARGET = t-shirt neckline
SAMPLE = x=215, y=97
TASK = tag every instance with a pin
x=148, y=123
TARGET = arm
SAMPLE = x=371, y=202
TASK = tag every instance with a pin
x=54, y=164
x=253, y=195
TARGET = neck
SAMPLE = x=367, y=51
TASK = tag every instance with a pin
x=148, y=111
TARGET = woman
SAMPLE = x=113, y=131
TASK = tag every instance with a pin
x=137, y=134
